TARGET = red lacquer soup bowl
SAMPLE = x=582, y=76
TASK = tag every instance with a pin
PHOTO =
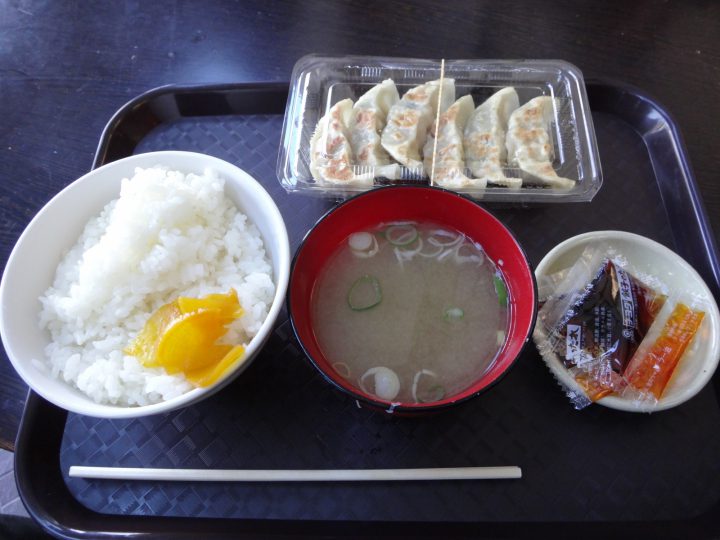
x=418, y=204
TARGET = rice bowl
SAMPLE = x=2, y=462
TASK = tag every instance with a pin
x=229, y=247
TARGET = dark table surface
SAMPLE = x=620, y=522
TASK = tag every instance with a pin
x=66, y=67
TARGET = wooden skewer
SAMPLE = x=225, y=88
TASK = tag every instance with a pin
x=437, y=121
x=256, y=475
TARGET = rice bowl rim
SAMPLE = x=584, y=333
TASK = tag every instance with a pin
x=71, y=200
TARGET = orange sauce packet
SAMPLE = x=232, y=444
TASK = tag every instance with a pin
x=595, y=385
x=651, y=368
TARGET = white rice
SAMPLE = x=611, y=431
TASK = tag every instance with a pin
x=168, y=235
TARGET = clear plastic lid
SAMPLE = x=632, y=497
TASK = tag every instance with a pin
x=497, y=130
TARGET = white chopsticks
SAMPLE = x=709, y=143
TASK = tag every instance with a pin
x=330, y=475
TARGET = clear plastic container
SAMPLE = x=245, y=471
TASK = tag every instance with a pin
x=319, y=83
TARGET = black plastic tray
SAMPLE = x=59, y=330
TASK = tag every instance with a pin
x=587, y=474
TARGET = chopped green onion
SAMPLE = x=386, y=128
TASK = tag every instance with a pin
x=432, y=253
x=401, y=235
x=476, y=253
x=387, y=383
x=403, y=254
x=501, y=290
x=500, y=337
x=363, y=245
x=360, y=241
x=434, y=393
x=454, y=314
x=444, y=238
x=342, y=369
x=364, y=294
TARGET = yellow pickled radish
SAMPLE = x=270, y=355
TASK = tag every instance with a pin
x=208, y=375
x=226, y=303
x=189, y=343
x=144, y=346
x=182, y=337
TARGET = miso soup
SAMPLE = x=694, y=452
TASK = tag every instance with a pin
x=410, y=312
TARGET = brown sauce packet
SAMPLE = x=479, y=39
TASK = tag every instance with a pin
x=608, y=321
x=595, y=321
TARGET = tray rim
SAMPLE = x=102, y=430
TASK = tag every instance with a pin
x=69, y=519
